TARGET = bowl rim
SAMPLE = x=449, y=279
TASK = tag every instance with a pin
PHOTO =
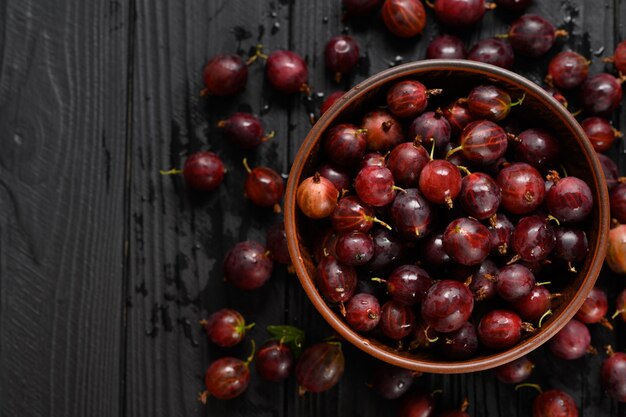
x=361, y=341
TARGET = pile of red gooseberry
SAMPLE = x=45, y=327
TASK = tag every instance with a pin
x=440, y=216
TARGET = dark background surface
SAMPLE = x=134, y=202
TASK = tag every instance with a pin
x=106, y=267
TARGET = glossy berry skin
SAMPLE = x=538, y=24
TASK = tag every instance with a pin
x=489, y=102
x=459, y=13
x=500, y=230
x=404, y=18
x=483, y=142
x=417, y=404
x=276, y=243
x=397, y=320
x=429, y=127
x=274, y=361
x=610, y=170
x=345, y=145
x=286, y=71
x=227, y=378
x=517, y=6
x=374, y=186
x=203, y=171
x=499, y=329
x=483, y=284
x=387, y=248
x=243, y=130
x=434, y=256
x=408, y=284
x=363, y=312
x=514, y=282
x=619, y=57
x=620, y=304
x=523, y=188
x=317, y=197
x=594, y=308
x=617, y=199
x=384, y=131
x=571, y=342
x=568, y=70
x=324, y=244
x=225, y=327
x=407, y=98
x=515, y=372
x=570, y=200
x=480, y=196
x=341, y=55
x=264, y=187
x=352, y=214
x=533, y=238
x=467, y=241
x=535, y=304
x=458, y=115
x=532, y=35
x=354, y=248
x=424, y=337
x=391, y=382
x=571, y=244
x=558, y=96
x=440, y=182
x=446, y=47
x=247, y=265
x=447, y=306
x=320, y=367
x=338, y=176
x=330, y=100
x=360, y=8
x=616, y=254
x=613, y=376
x=225, y=75
x=373, y=159
x=536, y=147
x=336, y=282
x=600, y=133
x=554, y=403
x=493, y=51
x=406, y=162
x=460, y=344
x=601, y=94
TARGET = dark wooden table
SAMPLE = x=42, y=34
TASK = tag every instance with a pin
x=106, y=267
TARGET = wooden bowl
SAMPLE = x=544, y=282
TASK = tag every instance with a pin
x=456, y=77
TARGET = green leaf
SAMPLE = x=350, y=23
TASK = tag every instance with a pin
x=289, y=335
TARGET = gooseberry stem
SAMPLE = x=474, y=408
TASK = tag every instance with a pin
x=269, y=136
x=246, y=166
x=528, y=385
x=520, y=101
x=452, y=151
x=249, y=360
x=173, y=171
x=546, y=314
x=257, y=54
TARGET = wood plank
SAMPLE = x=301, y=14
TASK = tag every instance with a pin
x=180, y=239
x=63, y=77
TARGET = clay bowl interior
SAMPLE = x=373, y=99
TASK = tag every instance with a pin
x=456, y=78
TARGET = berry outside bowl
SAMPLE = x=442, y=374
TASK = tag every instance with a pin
x=456, y=78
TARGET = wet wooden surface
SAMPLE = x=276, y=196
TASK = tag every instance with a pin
x=106, y=267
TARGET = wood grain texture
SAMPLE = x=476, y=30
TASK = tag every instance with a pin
x=62, y=118
x=179, y=238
